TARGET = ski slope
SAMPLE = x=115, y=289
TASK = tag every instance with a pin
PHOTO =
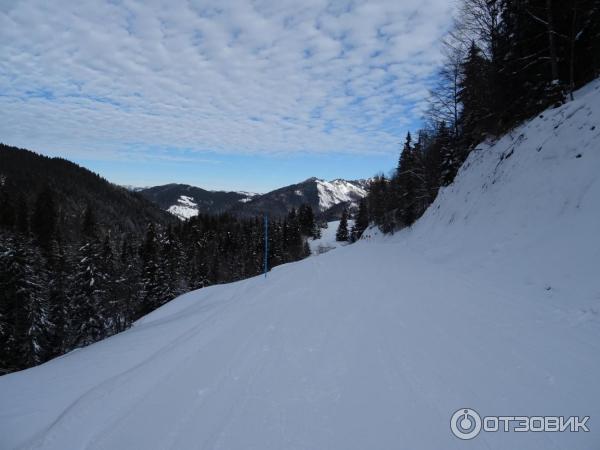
x=327, y=240
x=491, y=301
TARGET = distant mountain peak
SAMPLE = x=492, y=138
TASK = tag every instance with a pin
x=325, y=197
x=338, y=191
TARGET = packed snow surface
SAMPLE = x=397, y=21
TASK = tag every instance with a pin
x=185, y=207
x=491, y=301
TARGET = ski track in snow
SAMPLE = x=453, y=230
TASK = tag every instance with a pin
x=491, y=301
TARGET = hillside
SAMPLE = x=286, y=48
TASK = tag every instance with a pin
x=326, y=198
x=490, y=301
x=186, y=201
x=25, y=174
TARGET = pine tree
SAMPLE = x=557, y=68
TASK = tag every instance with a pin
x=476, y=117
x=306, y=221
x=362, y=220
x=151, y=273
x=128, y=286
x=341, y=234
x=86, y=318
x=58, y=300
x=109, y=304
x=86, y=322
x=451, y=158
x=23, y=305
x=407, y=180
x=293, y=242
x=171, y=255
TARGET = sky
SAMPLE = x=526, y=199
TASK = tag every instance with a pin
x=227, y=94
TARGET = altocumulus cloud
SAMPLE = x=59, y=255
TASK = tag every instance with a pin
x=108, y=78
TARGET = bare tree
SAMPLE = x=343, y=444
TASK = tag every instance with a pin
x=480, y=22
x=581, y=21
x=444, y=105
x=551, y=41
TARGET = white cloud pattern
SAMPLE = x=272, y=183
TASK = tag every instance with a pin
x=108, y=78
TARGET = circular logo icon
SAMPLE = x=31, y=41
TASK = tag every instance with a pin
x=465, y=423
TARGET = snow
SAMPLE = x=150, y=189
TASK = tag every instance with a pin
x=132, y=188
x=185, y=207
x=491, y=301
x=327, y=240
x=248, y=196
x=337, y=191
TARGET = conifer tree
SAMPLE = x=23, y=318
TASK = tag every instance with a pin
x=362, y=220
x=476, y=117
x=406, y=183
x=24, y=305
x=86, y=321
x=58, y=298
x=341, y=234
x=306, y=221
x=128, y=285
x=151, y=289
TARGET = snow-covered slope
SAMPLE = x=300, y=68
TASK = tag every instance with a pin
x=326, y=198
x=339, y=191
x=327, y=240
x=185, y=201
x=185, y=207
x=491, y=301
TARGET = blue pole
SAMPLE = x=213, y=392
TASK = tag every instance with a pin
x=266, y=244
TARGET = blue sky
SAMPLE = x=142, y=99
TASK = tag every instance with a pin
x=228, y=94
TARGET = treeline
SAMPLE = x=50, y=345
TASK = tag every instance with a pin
x=505, y=61
x=57, y=295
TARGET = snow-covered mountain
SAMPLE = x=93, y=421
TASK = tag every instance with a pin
x=325, y=197
x=490, y=301
x=186, y=201
x=338, y=191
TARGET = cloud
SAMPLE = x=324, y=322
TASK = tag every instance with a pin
x=227, y=76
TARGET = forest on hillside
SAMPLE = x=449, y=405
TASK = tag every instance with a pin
x=505, y=61
x=68, y=278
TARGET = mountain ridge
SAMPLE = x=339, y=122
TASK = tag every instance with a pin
x=327, y=198
x=26, y=173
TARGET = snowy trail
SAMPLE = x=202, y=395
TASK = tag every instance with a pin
x=491, y=301
x=282, y=364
